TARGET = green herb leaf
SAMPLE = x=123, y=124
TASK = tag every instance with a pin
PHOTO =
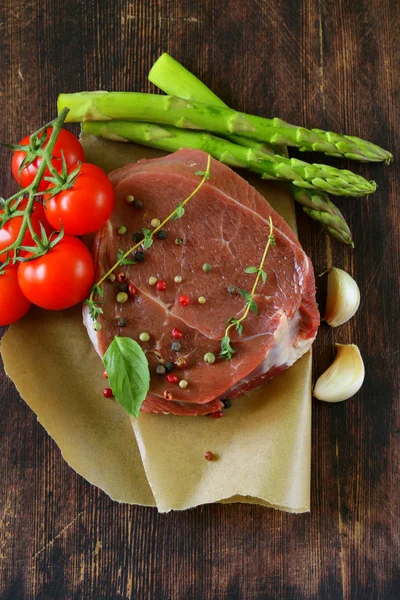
x=226, y=349
x=124, y=261
x=245, y=294
x=179, y=212
x=205, y=174
x=128, y=373
x=272, y=240
x=253, y=306
x=148, y=238
x=251, y=270
x=263, y=276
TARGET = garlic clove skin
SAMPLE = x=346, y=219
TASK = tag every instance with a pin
x=343, y=378
x=343, y=297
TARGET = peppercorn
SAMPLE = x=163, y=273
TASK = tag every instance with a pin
x=179, y=241
x=169, y=366
x=121, y=277
x=152, y=280
x=129, y=199
x=105, y=374
x=111, y=277
x=232, y=289
x=139, y=256
x=122, y=297
x=208, y=455
x=171, y=378
x=209, y=358
x=138, y=204
x=131, y=289
x=122, y=230
x=160, y=370
x=181, y=362
x=122, y=322
x=161, y=286
x=207, y=267
x=123, y=287
x=227, y=403
x=176, y=333
x=217, y=415
x=183, y=384
x=107, y=393
x=184, y=300
x=162, y=234
x=176, y=347
x=178, y=279
x=167, y=395
x=137, y=237
x=144, y=336
x=97, y=326
x=201, y=300
x=155, y=222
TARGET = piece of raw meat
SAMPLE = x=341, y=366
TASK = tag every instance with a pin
x=226, y=225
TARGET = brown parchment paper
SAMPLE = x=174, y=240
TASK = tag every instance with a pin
x=262, y=444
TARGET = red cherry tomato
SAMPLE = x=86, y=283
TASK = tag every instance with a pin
x=13, y=304
x=59, y=279
x=10, y=230
x=66, y=144
x=84, y=207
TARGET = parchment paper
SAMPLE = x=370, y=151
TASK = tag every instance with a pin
x=262, y=444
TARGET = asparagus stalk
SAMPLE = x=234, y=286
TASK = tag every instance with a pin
x=172, y=78
x=302, y=174
x=170, y=110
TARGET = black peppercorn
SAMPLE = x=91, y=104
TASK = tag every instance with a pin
x=176, y=346
x=123, y=287
x=162, y=234
x=232, y=289
x=161, y=370
x=169, y=366
x=138, y=204
x=227, y=403
x=122, y=322
x=137, y=237
x=139, y=256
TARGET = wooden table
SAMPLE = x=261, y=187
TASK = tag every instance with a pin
x=334, y=65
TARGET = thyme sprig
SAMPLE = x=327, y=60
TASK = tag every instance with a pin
x=10, y=206
x=226, y=349
x=148, y=235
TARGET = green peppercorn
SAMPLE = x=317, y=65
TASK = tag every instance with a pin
x=122, y=297
x=162, y=234
x=207, y=267
x=232, y=289
x=155, y=222
x=129, y=199
x=160, y=370
x=111, y=278
x=179, y=241
x=137, y=237
x=153, y=280
x=209, y=358
x=183, y=384
x=139, y=256
x=138, y=204
x=176, y=346
x=201, y=300
x=122, y=230
x=178, y=279
x=144, y=336
x=97, y=326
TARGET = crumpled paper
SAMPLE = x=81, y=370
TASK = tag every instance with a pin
x=261, y=447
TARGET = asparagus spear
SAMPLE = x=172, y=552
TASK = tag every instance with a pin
x=170, y=110
x=302, y=174
x=172, y=78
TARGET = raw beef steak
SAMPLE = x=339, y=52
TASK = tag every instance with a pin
x=225, y=225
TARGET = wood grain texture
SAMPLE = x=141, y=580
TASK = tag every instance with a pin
x=330, y=64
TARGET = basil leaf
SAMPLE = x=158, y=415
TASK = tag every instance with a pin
x=128, y=373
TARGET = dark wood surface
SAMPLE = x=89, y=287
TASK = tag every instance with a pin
x=333, y=64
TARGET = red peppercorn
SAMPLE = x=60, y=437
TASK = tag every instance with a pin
x=105, y=375
x=171, y=378
x=131, y=289
x=181, y=362
x=217, y=414
x=208, y=455
x=161, y=286
x=168, y=395
x=184, y=300
x=107, y=393
x=121, y=277
x=176, y=333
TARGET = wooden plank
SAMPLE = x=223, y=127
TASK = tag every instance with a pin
x=329, y=64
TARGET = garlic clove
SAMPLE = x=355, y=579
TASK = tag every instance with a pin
x=343, y=378
x=343, y=298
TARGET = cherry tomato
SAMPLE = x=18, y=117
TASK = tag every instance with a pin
x=84, y=207
x=59, y=279
x=13, y=304
x=10, y=230
x=66, y=144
